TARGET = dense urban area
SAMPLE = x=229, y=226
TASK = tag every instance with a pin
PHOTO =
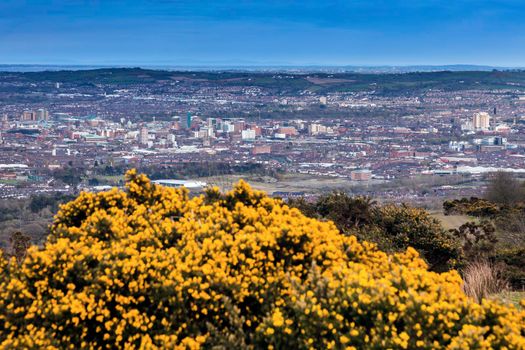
x=419, y=138
x=70, y=130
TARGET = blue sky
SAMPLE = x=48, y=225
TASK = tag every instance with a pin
x=240, y=32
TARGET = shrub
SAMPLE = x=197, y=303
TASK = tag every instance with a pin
x=151, y=268
x=20, y=243
x=511, y=226
x=471, y=206
x=478, y=240
x=512, y=263
x=307, y=208
x=393, y=228
x=348, y=213
x=413, y=227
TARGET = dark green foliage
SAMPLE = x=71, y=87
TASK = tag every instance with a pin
x=512, y=263
x=70, y=175
x=212, y=195
x=500, y=237
x=508, y=219
x=381, y=83
x=51, y=201
x=406, y=227
x=93, y=182
x=191, y=170
x=306, y=207
x=511, y=226
x=348, y=213
x=392, y=228
x=345, y=211
x=472, y=206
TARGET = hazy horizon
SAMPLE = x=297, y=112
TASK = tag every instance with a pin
x=382, y=69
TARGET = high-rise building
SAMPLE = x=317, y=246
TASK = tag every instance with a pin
x=188, y=120
x=212, y=122
x=144, y=136
x=5, y=123
x=316, y=129
x=238, y=126
x=42, y=114
x=28, y=115
x=172, y=140
x=481, y=121
x=228, y=126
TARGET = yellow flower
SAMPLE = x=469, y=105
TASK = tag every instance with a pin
x=149, y=267
x=277, y=318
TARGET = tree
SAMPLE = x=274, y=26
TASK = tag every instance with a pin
x=504, y=188
x=93, y=181
x=71, y=176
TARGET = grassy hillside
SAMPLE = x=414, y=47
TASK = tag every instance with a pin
x=400, y=83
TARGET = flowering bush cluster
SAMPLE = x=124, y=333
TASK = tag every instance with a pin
x=472, y=206
x=151, y=268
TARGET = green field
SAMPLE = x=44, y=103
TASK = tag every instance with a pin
x=9, y=182
x=110, y=179
x=510, y=297
x=451, y=221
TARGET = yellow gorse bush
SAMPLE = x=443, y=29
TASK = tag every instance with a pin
x=150, y=267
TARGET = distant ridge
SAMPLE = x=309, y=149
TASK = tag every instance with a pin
x=381, y=69
x=292, y=80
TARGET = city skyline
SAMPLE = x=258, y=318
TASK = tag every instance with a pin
x=269, y=33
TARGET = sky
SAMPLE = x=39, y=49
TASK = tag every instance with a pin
x=263, y=32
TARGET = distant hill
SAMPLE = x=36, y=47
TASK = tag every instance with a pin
x=319, y=82
x=254, y=68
